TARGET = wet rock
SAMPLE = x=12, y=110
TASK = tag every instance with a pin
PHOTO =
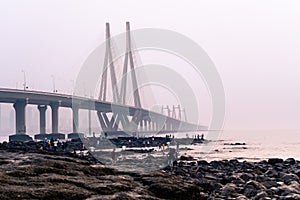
x=268, y=184
x=246, y=176
x=291, y=197
x=229, y=189
x=214, y=164
x=252, y=188
x=241, y=197
x=261, y=195
x=273, y=161
x=279, y=167
x=297, y=172
x=294, y=187
x=236, y=179
x=250, y=192
x=207, y=186
x=170, y=187
x=274, y=190
x=202, y=162
x=234, y=162
x=35, y=174
x=290, y=161
x=186, y=158
x=271, y=172
x=256, y=185
x=203, y=195
x=287, y=178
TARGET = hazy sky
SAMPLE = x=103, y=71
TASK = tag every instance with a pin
x=254, y=44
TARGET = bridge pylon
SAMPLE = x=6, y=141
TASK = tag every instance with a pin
x=119, y=94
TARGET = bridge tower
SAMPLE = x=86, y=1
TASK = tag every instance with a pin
x=119, y=94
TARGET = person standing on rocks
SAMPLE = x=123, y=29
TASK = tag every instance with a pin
x=52, y=143
x=171, y=157
x=113, y=156
x=177, y=150
x=55, y=145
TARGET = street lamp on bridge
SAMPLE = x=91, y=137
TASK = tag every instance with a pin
x=24, y=80
x=53, y=82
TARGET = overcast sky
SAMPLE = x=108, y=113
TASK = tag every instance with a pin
x=255, y=46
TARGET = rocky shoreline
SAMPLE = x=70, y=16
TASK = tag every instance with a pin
x=36, y=174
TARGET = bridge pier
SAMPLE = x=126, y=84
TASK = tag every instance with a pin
x=149, y=122
x=153, y=125
x=75, y=111
x=145, y=125
x=20, y=135
x=19, y=107
x=141, y=125
x=75, y=120
x=42, y=135
x=42, y=109
x=54, y=109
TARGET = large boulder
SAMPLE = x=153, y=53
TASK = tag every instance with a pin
x=252, y=187
x=293, y=188
x=170, y=187
x=291, y=197
x=256, y=185
x=273, y=161
x=247, y=176
x=287, y=178
x=229, y=189
x=261, y=195
x=290, y=161
x=270, y=183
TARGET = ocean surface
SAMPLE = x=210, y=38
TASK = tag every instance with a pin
x=259, y=145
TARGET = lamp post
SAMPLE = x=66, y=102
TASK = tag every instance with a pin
x=53, y=82
x=24, y=80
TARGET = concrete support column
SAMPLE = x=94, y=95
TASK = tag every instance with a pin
x=146, y=127
x=90, y=122
x=152, y=125
x=54, y=108
x=141, y=127
x=150, y=128
x=42, y=109
x=75, y=111
x=19, y=107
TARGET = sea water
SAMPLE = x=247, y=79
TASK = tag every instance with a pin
x=259, y=145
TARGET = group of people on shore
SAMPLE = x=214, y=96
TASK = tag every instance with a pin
x=171, y=154
x=53, y=145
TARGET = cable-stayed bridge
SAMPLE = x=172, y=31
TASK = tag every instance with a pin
x=114, y=116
